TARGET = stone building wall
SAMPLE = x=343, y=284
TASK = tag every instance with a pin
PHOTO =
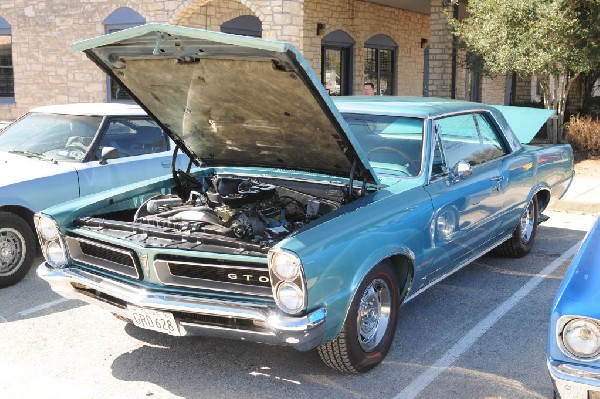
x=362, y=20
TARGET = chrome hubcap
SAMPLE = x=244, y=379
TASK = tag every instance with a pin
x=12, y=251
x=527, y=221
x=373, y=314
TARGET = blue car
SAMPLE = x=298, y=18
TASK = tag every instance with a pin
x=57, y=153
x=574, y=334
x=308, y=221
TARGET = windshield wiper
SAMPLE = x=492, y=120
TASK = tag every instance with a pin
x=34, y=155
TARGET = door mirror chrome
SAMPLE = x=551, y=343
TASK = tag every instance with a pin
x=108, y=153
x=460, y=171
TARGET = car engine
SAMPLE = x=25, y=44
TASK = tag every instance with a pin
x=241, y=208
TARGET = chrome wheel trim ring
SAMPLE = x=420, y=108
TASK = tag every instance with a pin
x=12, y=251
x=527, y=221
x=373, y=314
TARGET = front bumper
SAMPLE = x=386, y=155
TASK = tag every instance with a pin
x=574, y=381
x=256, y=322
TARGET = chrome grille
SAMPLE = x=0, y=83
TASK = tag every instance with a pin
x=214, y=274
x=103, y=256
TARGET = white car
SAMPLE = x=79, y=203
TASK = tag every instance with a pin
x=57, y=153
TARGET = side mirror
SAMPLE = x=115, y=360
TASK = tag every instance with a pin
x=108, y=153
x=461, y=171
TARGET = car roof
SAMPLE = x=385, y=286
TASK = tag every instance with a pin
x=418, y=107
x=92, y=109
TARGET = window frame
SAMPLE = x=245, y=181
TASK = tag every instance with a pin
x=381, y=43
x=120, y=19
x=341, y=41
x=6, y=30
x=437, y=140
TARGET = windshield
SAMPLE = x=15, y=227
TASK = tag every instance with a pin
x=391, y=143
x=60, y=137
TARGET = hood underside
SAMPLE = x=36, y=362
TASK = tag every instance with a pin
x=231, y=100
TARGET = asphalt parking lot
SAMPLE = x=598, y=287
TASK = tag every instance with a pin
x=481, y=333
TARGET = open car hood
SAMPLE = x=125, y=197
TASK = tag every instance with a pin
x=231, y=100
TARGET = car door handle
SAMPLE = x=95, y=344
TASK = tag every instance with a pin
x=165, y=164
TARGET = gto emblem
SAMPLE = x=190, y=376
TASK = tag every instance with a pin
x=247, y=277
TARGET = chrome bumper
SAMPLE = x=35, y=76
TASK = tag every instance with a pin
x=573, y=381
x=263, y=324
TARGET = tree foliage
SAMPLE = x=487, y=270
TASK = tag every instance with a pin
x=555, y=40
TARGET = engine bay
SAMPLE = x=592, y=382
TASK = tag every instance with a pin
x=225, y=213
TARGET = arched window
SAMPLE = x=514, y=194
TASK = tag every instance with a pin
x=336, y=62
x=247, y=25
x=121, y=18
x=380, y=64
x=7, y=81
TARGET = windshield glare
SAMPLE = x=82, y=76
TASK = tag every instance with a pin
x=391, y=143
x=61, y=137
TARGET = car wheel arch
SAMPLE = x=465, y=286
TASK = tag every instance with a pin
x=401, y=261
x=24, y=213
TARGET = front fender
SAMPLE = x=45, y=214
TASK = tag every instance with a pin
x=336, y=255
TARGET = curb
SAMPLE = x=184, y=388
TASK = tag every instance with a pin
x=575, y=207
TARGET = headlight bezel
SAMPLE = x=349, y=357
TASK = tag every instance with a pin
x=44, y=222
x=562, y=338
x=279, y=280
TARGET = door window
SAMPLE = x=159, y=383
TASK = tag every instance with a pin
x=134, y=137
x=468, y=137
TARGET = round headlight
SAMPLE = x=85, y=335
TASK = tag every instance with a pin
x=285, y=265
x=47, y=228
x=582, y=338
x=55, y=254
x=291, y=297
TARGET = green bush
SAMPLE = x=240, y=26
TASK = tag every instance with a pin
x=583, y=133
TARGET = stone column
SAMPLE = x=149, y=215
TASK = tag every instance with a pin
x=440, y=52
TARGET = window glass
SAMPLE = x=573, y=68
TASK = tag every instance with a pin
x=336, y=61
x=470, y=138
x=134, y=137
x=391, y=143
x=7, y=84
x=379, y=55
x=61, y=137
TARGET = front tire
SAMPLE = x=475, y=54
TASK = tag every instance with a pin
x=17, y=249
x=370, y=324
x=523, y=237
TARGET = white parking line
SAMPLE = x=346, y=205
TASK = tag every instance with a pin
x=41, y=307
x=422, y=381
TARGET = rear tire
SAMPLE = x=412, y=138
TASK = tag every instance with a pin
x=370, y=324
x=523, y=237
x=17, y=249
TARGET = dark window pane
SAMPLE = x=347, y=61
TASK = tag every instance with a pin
x=7, y=84
x=371, y=66
x=379, y=70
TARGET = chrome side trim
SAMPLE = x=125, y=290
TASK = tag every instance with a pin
x=76, y=253
x=573, y=381
x=270, y=325
x=451, y=272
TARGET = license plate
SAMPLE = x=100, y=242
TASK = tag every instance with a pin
x=154, y=320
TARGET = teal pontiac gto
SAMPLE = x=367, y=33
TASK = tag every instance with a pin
x=307, y=221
